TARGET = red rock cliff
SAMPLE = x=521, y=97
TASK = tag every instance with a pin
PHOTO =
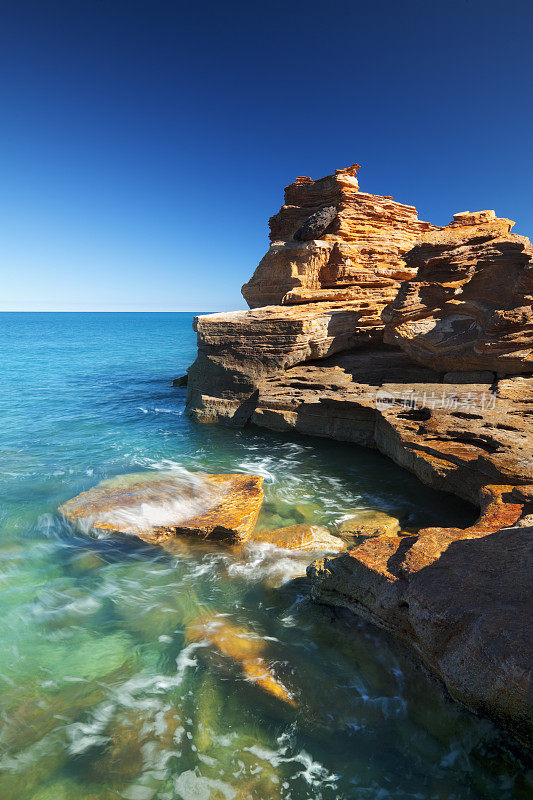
x=329, y=241
x=469, y=307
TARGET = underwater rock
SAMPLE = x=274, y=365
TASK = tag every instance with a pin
x=369, y=522
x=131, y=734
x=155, y=506
x=301, y=537
x=240, y=646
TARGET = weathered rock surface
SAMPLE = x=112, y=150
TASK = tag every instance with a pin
x=301, y=537
x=237, y=349
x=448, y=396
x=156, y=506
x=460, y=598
x=330, y=235
x=470, y=305
x=369, y=522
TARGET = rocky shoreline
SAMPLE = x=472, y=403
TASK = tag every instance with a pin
x=370, y=326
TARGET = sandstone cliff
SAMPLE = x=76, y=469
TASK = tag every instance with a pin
x=441, y=384
x=330, y=236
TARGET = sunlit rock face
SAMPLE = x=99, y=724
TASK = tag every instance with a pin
x=458, y=597
x=469, y=306
x=156, y=506
x=329, y=241
x=335, y=262
x=370, y=326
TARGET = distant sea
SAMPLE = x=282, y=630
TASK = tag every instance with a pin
x=103, y=694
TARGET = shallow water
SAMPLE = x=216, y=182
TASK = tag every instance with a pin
x=104, y=693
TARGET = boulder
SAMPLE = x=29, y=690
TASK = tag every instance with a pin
x=316, y=225
x=369, y=522
x=156, y=506
x=301, y=537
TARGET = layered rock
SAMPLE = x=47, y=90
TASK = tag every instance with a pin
x=447, y=395
x=237, y=350
x=460, y=598
x=330, y=291
x=329, y=235
x=470, y=305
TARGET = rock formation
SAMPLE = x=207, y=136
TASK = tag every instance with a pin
x=329, y=235
x=301, y=537
x=469, y=306
x=460, y=598
x=157, y=506
x=445, y=392
x=238, y=646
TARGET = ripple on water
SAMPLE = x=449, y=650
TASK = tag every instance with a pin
x=105, y=695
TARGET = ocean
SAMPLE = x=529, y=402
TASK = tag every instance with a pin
x=103, y=692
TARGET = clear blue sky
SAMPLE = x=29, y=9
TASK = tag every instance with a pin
x=145, y=144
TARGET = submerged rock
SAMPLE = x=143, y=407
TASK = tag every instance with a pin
x=369, y=522
x=301, y=537
x=240, y=646
x=155, y=506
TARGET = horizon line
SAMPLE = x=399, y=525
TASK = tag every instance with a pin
x=106, y=311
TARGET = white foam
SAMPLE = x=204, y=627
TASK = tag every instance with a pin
x=265, y=561
x=180, y=496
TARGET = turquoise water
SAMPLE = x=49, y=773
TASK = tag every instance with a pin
x=103, y=692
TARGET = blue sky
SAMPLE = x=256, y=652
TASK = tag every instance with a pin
x=145, y=144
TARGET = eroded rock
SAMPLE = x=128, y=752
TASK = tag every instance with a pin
x=458, y=597
x=470, y=305
x=155, y=506
x=344, y=237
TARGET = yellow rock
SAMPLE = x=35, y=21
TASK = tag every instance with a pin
x=241, y=646
x=369, y=522
x=156, y=506
x=301, y=537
